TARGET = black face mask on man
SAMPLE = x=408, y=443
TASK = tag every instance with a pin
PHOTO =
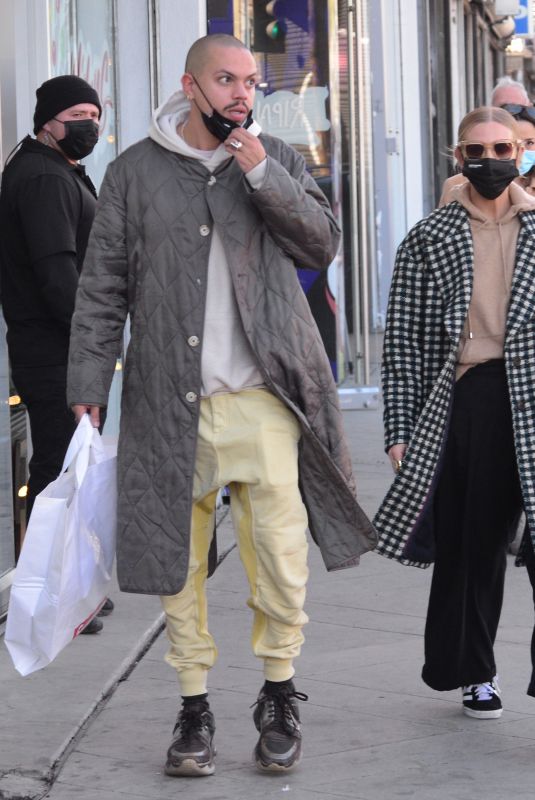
x=80, y=138
x=218, y=125
x=490, y=176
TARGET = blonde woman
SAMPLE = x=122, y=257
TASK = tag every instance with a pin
x=458, y=378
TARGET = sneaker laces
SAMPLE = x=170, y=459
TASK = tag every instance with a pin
x=483, y=691
x=280, y=711
x=190, y=719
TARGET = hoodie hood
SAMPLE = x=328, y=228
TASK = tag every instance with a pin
x=520, y=201
x=173, y=113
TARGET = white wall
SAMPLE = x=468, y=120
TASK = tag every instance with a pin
x=133, y=72
x=181, y=22
x=23, y=65
x=411, y=110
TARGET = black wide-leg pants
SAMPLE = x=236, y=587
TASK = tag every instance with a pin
x=529, y=559
x=476, y=506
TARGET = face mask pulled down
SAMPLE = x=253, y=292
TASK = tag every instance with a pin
x=218, y=125
x=490, y=176
x=80, y=138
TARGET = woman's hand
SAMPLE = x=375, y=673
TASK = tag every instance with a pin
x=396, y=455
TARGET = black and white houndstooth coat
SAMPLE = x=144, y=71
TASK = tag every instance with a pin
x=429, y=297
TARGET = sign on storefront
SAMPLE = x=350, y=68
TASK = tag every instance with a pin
x=523, y=24
x=295, y=117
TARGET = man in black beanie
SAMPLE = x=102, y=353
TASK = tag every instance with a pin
x=47, y=204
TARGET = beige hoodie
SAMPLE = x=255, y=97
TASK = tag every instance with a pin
x=494, y=262
x=228, y=363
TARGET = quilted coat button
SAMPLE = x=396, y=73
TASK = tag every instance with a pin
x=212, y=180
x=191, y=397
x=517, y=361
x=193, y=341
x=204, y=230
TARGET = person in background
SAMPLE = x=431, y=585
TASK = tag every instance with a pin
x=197, y=236
x=47, y=204
x=525, y=119
x=458, y=378
x=507, y=92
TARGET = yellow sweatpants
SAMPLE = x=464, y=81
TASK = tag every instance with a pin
x=247, y=441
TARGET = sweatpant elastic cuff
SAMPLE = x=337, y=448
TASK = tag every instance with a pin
x=192, y=681
x=277, y=669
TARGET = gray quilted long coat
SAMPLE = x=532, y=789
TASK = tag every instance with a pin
x=148, y=256
x=429, y=298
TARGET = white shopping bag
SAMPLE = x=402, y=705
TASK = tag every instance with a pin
x=66, y=561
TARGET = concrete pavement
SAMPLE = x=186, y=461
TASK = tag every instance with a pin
x=98, y=720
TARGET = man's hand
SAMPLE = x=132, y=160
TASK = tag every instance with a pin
x=396, y=455
x=93, y=411
x=247, y=149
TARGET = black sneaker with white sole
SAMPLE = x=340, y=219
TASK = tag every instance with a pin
x=192, y=751
x=276, y=716
x=482, y=700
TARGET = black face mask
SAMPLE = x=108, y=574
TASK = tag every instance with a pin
x=80, y=138
x=218, y=125
x=490, y=176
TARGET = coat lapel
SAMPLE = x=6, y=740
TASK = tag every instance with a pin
x=450, y=258
x=522, y=306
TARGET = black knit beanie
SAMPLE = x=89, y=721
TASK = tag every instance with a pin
x=60, y=93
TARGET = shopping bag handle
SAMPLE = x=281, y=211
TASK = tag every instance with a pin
x=85, y=438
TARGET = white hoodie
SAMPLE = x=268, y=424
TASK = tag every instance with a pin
x=228, y=363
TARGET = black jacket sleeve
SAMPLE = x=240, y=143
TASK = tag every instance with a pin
x=57, y=278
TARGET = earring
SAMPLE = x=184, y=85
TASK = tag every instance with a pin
x=46, y=138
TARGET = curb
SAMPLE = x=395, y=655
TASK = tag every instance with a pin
x=20, y=786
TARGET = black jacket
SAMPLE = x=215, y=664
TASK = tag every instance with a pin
x=46, y=211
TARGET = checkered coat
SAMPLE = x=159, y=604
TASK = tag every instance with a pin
x=429, y=297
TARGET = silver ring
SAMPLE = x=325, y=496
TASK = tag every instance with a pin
x=235, y=144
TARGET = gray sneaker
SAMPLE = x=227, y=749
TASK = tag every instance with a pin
x=192, y=751
x=276, y=716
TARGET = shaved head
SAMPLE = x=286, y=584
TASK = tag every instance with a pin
x=200, y=51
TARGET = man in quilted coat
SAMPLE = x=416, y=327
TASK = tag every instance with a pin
x=197, y=235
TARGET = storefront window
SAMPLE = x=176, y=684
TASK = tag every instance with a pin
x=81, y=43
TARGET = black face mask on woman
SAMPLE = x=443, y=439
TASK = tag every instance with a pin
x=490, y=176
x=80, y=138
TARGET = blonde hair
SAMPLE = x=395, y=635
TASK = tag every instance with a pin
x=487, y=114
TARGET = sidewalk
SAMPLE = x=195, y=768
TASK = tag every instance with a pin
x=372, y=729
